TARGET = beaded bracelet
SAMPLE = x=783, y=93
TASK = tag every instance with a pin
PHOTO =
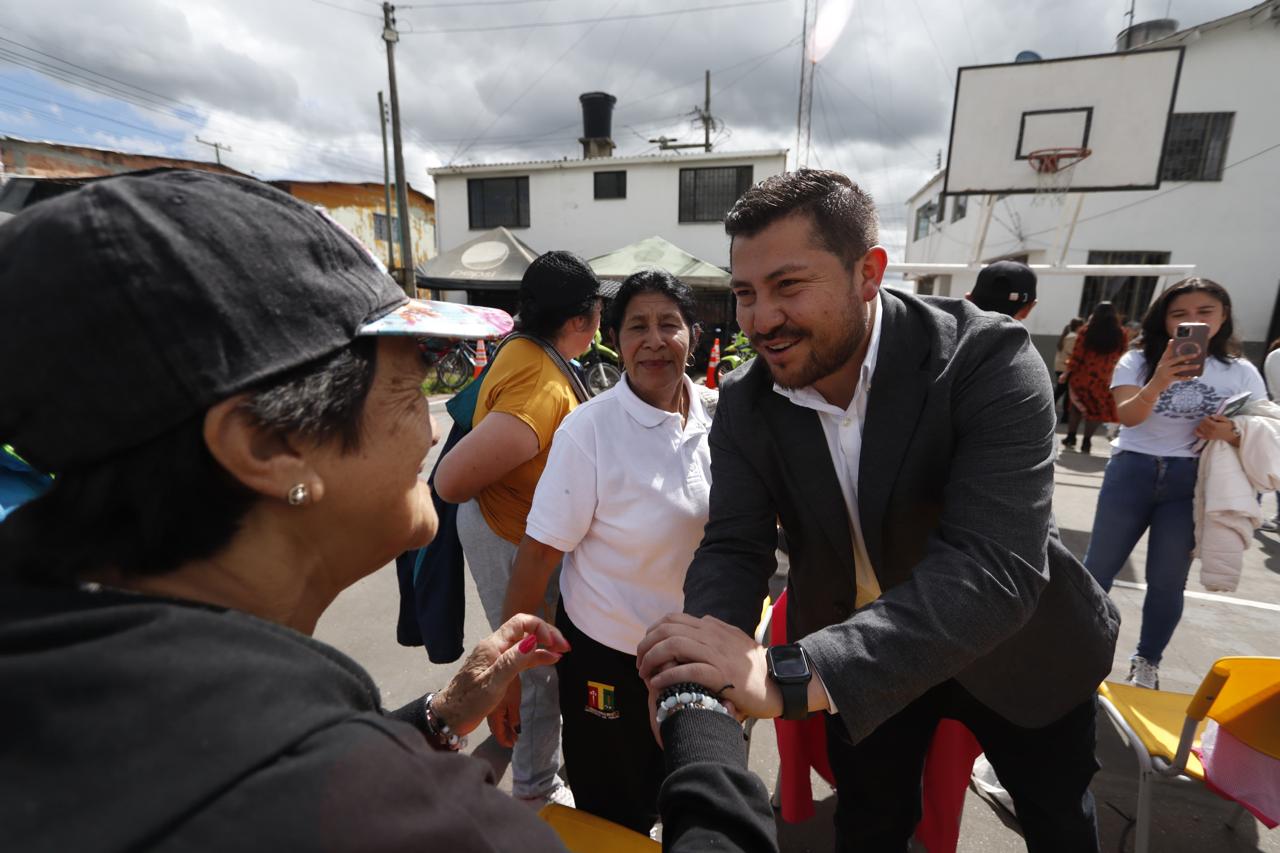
x=677, y=697
x=438, y=730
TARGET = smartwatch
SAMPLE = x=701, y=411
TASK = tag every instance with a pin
x=789, y=669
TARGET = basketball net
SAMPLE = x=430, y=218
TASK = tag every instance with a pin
x=1053, y=168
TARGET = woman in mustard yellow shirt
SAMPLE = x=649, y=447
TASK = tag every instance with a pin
x=493, y=471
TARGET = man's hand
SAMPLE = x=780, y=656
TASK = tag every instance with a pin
x=495, y=663
x=714, y=654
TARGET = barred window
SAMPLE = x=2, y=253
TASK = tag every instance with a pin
x=707, y=194
x=611, y=185
x=498, y=201
x=1130, y=294
x=1195, y=146
x=380, y=230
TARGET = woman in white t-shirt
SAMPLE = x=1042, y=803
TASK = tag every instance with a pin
x=623, y=499
x=1151, y=477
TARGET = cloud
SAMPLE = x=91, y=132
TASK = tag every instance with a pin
x=291, y=85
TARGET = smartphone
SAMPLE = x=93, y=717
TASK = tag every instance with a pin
x=1191, y=340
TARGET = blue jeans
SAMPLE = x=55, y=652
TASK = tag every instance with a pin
x=1141, y=492
x=536, y=757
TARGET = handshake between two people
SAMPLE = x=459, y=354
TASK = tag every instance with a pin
x=726, y=662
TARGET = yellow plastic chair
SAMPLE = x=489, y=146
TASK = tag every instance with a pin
x=582, y=832
x=1242, y=694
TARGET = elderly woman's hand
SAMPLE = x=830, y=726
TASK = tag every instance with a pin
x=493, y=665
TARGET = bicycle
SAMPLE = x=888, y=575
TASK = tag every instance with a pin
x=454, y=361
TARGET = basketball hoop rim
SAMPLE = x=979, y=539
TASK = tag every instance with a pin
x=1049, y=161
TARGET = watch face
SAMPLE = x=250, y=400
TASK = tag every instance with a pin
x=788, y=663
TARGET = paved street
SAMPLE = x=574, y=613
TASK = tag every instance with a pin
x=362, y=623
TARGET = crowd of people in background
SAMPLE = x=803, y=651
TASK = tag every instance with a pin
x=622, y=545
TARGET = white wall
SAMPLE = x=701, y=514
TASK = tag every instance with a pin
x=563, y=213
x=1227, y=228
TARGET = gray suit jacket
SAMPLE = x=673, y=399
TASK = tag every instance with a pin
x=955, y=489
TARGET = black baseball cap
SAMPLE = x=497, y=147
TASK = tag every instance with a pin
x=137, y=302
x=1004, y=286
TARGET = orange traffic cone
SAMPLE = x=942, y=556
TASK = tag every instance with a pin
x=482, y=358
x=713, y=363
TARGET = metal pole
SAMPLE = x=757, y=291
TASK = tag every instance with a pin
x=1071, y=229
x=386, y=184
x=988, y=208
x=706, y=116
x=804, y=56
x=390, y=36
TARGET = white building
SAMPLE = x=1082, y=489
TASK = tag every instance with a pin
x=1218, y=206
x=600, y=203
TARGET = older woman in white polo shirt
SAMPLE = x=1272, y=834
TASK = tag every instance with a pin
x=623, y=501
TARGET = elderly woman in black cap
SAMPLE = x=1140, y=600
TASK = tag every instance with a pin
x=235, y=442
x=493, y=471
x=213, y=371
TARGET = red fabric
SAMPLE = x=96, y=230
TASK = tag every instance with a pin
x=947, y=768
x=802, y=744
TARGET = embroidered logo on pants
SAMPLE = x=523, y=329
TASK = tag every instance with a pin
x=601, y=701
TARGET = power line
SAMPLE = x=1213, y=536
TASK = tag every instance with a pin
x=518, y=98
x=629, y=17
x=1160, y=194
x=348, y=9
x=936, y=52
x=470, y=4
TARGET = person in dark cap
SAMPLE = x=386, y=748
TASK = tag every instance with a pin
x=493, y=471
x=1006, y=287
x=224, y=384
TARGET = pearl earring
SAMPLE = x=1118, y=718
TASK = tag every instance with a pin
x=298, y=495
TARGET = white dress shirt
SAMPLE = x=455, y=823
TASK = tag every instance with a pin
x=843, y=429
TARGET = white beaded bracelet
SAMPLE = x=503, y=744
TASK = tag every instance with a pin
x=688, y=699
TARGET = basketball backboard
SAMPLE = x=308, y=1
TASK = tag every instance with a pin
x=1117, y=105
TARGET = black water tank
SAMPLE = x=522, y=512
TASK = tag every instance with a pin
x=597, y=115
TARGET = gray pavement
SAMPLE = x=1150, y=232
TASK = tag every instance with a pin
x=1187, y=818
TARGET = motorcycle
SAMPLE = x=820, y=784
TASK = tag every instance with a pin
x=735, y=354
x=601, y=367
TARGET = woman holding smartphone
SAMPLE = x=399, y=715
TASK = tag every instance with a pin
x=1167, y=394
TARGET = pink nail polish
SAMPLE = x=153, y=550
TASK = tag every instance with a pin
x=527, y=644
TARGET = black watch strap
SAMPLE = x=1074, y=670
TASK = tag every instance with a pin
x=795, y=700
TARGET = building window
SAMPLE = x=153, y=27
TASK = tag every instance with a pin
x=1130, y=294
x=380, y=231
x=707, y=194
x=940, y=208
x=923, y=214
x=498, y=201
x=925, y=285
x=1196, y=146
x=959, y=207
x=611, y=185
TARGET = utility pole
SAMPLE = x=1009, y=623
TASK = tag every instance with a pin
x=217, y=147
x=390, y=36
x=806, y=93
x=706, y=115
x=386, y=184
x=703, y=114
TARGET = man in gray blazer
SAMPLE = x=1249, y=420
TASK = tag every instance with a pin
x=905, y=445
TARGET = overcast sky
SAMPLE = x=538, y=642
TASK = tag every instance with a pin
x=291, y=85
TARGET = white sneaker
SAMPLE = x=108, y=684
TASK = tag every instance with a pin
x=1271, y=525
x=560, y=795
x=1143, y=673
x=987, y=785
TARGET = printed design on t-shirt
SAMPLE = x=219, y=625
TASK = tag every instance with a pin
x=1191, y=400
x=601, y=700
